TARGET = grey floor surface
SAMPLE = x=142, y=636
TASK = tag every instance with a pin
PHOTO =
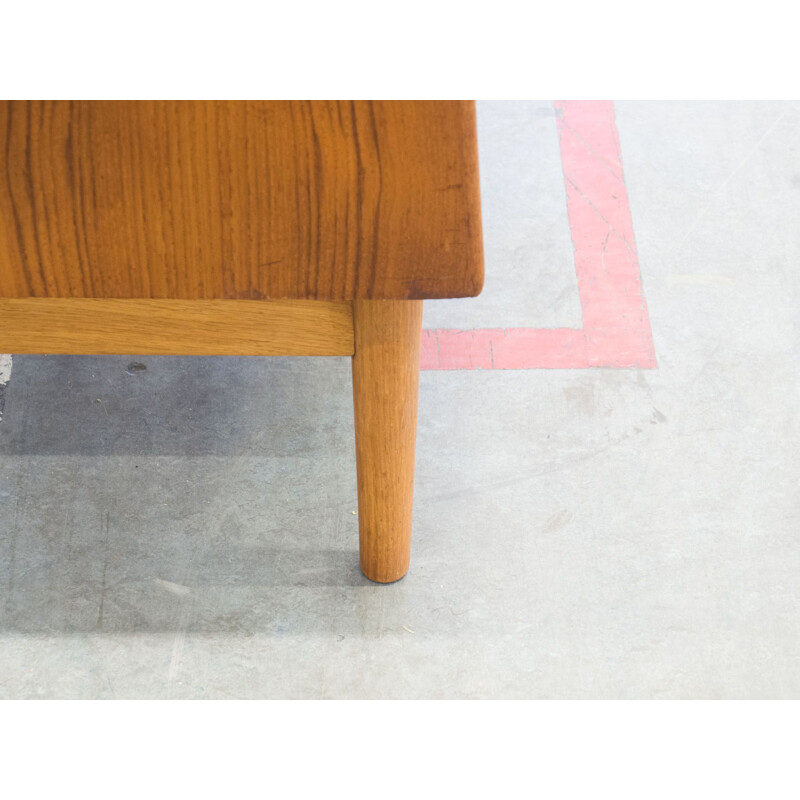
x=189, y=530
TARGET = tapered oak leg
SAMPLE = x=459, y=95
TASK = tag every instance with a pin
x=385, y=383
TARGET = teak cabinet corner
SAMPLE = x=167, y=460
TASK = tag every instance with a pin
x=254, y=228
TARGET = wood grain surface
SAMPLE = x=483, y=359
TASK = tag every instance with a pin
x=329, y=200
x=385, y=389
x=176, y=327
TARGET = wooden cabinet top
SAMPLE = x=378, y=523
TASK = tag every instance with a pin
x=330, y=200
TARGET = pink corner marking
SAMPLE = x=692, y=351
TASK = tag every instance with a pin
x=616, y=326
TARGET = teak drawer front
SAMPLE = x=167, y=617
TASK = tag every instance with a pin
x=331, y=200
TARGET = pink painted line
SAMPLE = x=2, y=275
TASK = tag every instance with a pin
x=616, y=326
x=503, y=348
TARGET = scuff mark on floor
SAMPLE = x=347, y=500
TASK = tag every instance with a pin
x=5, y=377
x=175, y=588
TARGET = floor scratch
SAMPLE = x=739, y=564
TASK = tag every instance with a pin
x=718, y=190
x=106, y=521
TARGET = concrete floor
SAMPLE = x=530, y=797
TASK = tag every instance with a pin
x=188, y=530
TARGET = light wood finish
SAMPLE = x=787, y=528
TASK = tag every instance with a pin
x=385, y=387
x=176, y=327
x=259, y=199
